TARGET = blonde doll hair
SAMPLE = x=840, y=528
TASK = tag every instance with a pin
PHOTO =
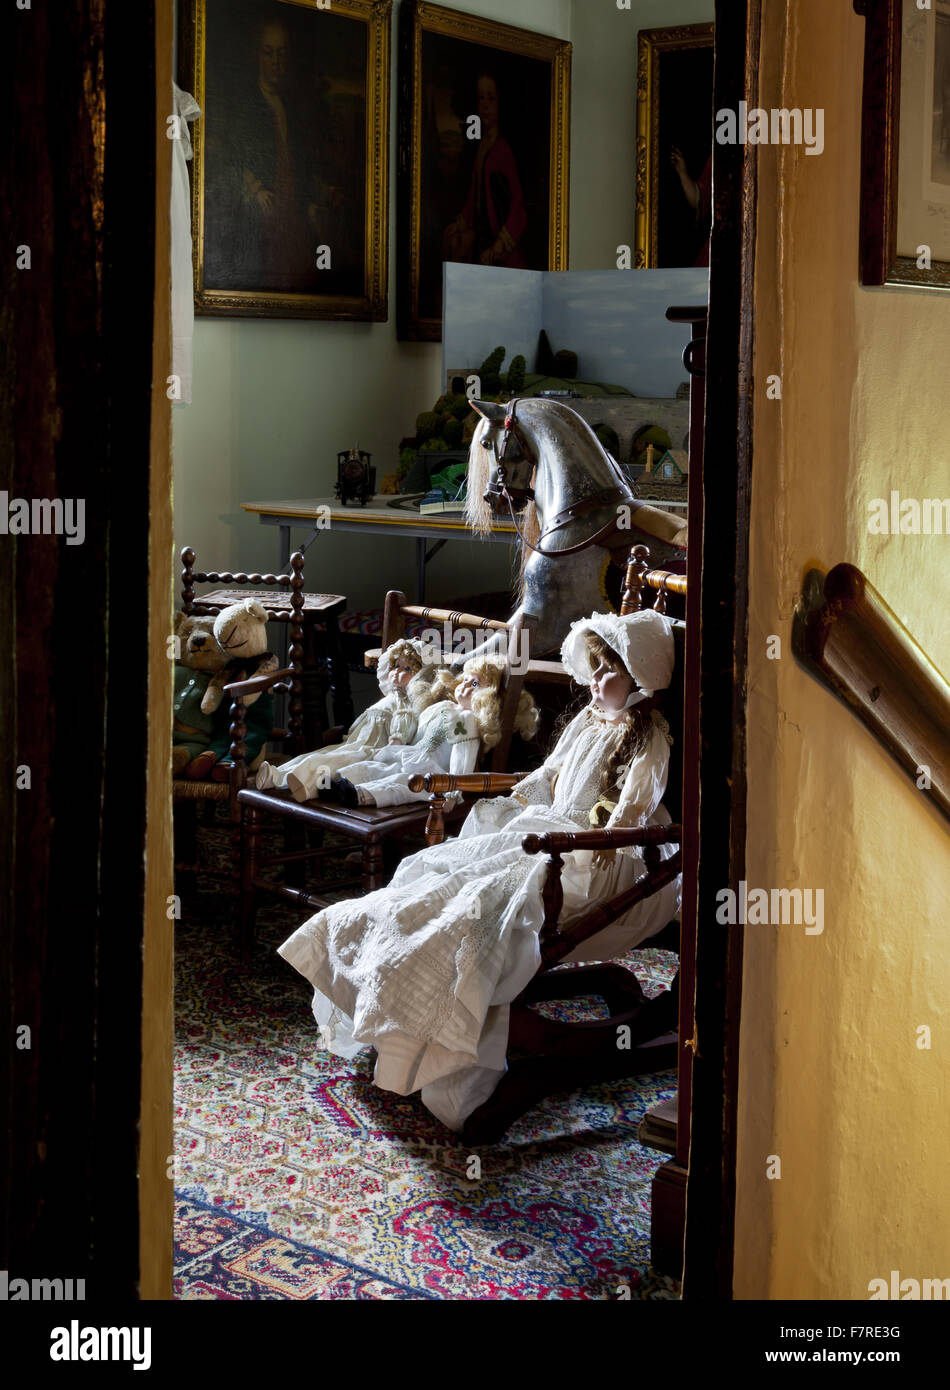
x=420, y=689
x=486, y=702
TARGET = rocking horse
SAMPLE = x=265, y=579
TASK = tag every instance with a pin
x=574, y=510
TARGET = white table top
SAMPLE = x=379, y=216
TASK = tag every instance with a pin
x=376, y=512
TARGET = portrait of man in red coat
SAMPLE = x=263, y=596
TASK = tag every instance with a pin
x=485, y=161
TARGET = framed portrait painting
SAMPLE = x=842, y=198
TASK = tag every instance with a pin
x=483, y=153
x=291, y=156
x=674, y=146
x=905, y=144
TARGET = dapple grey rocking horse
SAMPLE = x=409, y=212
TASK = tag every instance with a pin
x=573, y=508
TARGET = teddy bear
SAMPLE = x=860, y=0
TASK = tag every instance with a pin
x=200, y=656
x=241, y=633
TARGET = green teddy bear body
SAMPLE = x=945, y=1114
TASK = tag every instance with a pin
x=193, y=728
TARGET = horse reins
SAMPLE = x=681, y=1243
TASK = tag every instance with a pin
x=578, y=509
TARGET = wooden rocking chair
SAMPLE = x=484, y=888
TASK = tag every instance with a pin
x=544, y=1054
x=375, y=828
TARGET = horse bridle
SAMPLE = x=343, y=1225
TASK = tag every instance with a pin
x=500, y=488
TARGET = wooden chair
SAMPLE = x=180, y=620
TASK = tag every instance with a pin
x=313, y=614
x=546, y=1054
x=231, y=775
x=375, y=828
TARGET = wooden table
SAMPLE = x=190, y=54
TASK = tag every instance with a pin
x=376, y=518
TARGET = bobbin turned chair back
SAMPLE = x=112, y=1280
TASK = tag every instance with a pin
x=396, y=612
x=289, y=611
x=642, y=583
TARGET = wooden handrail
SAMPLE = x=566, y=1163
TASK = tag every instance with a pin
x=846, y=636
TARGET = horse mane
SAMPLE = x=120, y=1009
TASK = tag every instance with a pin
x=478, y=512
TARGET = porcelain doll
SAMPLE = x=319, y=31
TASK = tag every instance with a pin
x=453, y=732
x=424, y=969
x=406, y=678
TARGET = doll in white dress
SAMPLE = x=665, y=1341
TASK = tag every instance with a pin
x=452, y=734
x=425, y=968
x=406, y=675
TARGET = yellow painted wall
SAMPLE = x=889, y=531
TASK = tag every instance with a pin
x=831, y=1078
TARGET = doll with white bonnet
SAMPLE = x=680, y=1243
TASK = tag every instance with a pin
x=424, y=969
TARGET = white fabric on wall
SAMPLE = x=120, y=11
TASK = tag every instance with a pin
x=183, y=293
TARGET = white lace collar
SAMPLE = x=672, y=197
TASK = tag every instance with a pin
x=604, y=716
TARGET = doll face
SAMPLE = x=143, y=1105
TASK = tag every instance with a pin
x=400, y=673
x=609, y=688
x=469, y=686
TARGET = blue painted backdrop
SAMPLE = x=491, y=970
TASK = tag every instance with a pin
x=613, y=319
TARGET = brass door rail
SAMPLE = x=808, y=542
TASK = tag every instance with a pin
x=847, y=637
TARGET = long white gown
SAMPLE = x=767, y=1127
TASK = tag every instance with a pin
x=425, y=968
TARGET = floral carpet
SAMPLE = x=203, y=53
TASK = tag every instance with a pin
x=296, y=1177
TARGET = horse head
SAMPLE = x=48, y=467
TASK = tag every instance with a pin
x=539, y=461
x=535, y=456
x=501, y=461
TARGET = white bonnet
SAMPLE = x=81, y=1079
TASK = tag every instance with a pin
x=382, y=666
x=643, y=641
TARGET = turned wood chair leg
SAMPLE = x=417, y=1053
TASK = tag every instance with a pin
x=340, y=695
x=295, y=839
x=250, y=845
x=373, y=868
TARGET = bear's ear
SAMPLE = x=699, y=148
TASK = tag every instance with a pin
x=181, y=623
x=256, y=609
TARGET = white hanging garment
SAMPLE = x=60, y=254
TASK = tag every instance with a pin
x=183, y=292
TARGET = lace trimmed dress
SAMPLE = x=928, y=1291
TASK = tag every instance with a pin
x=425, y=968
x=392, y=717
x=447, y=740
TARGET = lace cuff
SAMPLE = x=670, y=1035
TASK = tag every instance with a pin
x=536, y=789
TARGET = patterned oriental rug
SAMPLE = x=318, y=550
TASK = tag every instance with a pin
x=297, y=1178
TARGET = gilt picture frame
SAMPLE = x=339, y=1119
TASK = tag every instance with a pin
x=674, y=116
x=290, y=172
x=483, y=153
x=905, y=145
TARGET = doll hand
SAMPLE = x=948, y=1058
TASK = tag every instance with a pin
x=602, y=858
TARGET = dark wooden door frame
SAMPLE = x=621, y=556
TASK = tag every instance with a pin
x=78, y=87
x=711, y=1180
